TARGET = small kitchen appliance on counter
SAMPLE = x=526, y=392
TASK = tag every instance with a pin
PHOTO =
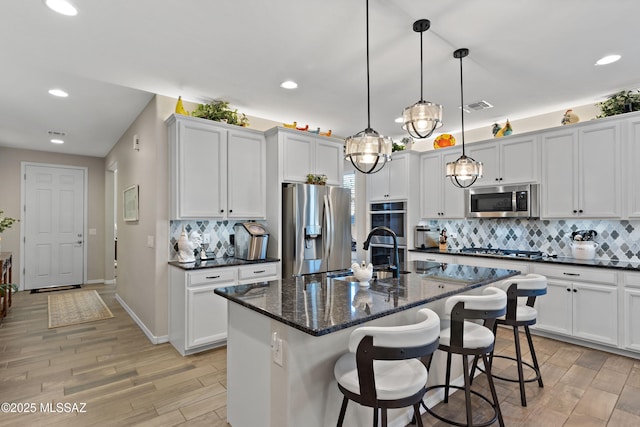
x=426, y=237
x=582, y=244
x=250, y=241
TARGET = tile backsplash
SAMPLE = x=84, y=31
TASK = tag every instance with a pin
x=220, y=232
x=617, y=240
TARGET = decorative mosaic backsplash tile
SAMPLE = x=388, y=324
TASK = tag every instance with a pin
x=617, y=240
x=220, y=232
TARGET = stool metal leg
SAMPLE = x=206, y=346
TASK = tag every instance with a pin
x=416, y=414
x=533, y=355
x=492, y=387
x=447, y=379
x=516, y=339
x=467, y=389
x=343, y=410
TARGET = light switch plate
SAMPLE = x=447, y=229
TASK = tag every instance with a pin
x=93, y=232
x=150, y=241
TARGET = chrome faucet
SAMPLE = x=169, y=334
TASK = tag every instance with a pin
x=395, y=268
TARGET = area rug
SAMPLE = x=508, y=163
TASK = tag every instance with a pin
x=76, y=307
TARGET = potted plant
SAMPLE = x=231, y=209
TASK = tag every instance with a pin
x=622, y=102
x=219, y=111
x=5, y=222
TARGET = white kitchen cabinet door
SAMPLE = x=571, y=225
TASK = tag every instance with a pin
x=559, y=192
x=595, y=313
x=631, y=319
x=392, y=182
x=488, y=154
x=431, y=185
x=329, y=160
x=439, y=198
x=206, y=315
x=452, y=196
x=632, y=172
x=600, y=148
x=555, y=308
x=246, y=172
x=199, y=170
x=298, y=157
x=519, y=159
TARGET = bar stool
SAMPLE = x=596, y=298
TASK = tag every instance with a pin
x=528, y=286
x=471, y=339
x=382, y=369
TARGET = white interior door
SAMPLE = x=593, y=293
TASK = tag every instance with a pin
x=54, y=226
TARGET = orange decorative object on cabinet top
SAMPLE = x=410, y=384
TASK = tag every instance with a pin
x=444, y=140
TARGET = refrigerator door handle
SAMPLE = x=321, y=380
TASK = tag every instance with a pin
x=328, y=215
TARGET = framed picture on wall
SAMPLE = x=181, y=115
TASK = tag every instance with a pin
x=130, y=203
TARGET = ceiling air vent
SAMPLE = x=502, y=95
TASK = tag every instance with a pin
x=477, y=106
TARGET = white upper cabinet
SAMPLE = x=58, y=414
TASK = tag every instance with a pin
x=439, y=198
x=305, y=153
x=209, y=170
x=246, y=175
x=581, y=174
x=507, y=160
x=392, y=182
x=632, y=156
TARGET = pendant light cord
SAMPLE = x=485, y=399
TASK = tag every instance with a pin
x=368, y=90
x=421, y=73
x=462, y=105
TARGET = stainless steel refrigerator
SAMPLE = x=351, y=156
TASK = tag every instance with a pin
x=316, y=229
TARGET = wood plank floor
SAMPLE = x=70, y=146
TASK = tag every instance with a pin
x=123, y=379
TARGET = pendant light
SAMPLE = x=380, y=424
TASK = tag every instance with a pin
x=464, y=171
x=423, y=117
x=367, y=150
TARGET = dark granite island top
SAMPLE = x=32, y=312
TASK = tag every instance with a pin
x=322, y=304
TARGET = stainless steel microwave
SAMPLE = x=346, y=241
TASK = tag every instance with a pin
x=505, y=201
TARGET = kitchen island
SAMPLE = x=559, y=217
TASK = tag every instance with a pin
x=284, y=337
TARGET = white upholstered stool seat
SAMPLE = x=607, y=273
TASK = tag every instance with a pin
x=383, y=367
x=395, y=379
x=524, y=313
x=475, y=336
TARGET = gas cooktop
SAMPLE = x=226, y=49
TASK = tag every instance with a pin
x=502, y=253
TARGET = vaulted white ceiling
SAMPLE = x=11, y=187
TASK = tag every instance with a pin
x=526, y=58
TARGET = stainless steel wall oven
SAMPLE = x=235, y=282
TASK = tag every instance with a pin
x=394, y=216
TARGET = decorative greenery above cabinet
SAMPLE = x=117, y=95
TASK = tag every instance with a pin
x=216, y=170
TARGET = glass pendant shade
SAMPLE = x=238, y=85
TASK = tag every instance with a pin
x=465, y=171
x=368, y=151
x=422, y=118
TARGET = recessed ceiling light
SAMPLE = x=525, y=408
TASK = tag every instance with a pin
x=289, y=84
x=399, y=120
x=63, y=7
x=58, y=92
x=57, y=141
x=609, y=59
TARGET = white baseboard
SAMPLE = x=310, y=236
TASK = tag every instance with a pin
x=110, y=282
x=154, y=339
x=95, y=282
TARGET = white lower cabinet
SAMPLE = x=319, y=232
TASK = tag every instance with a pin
x=433, y=257
x=197, y=316
x=631, y=311
x=574, y=307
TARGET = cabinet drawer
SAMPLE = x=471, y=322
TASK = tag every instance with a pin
x=577, y=273
x=212, y=275
x=632, y=280
x=257, y=271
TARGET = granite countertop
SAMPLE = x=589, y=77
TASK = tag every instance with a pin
x=321, y=304
x=597, y=263
x=218, y=262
